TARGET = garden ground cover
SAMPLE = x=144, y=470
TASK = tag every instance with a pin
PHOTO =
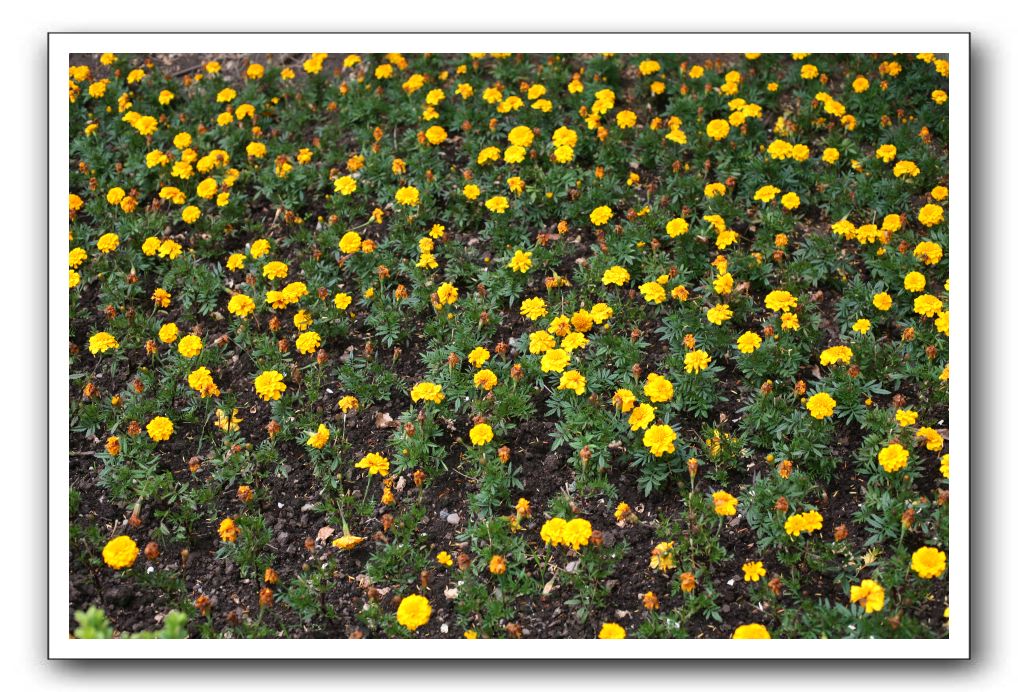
x=509, y=345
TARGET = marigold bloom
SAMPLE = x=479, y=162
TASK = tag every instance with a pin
x=748, y=342
x=752, y=571
x=319, y=438
x=657, y=388
x=821, y=405
x=228, y=530
x=659, y=439
x=269, y=385
x=102, y=342
x=308, y=342
x=120, y=552
x=481, y=434
x=696, y=361
x=893, y=457
x=572, y=379
x=555, y=360
x=601, y=215
x=427, y=391
x=751, y=631
x=414, y=612
x=611, y=630
x=160, y=428
x=868, y=594
x=724, y=503
x=929, y=562
x=190, y=346
x=641, y=417
x=520, y=261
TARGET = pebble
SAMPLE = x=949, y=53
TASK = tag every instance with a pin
x=443, y=513
x=453, y=518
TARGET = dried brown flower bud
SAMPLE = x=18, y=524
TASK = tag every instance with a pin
x=387, y=520
x=908, y=518
x=419, y=478
x=265, y=597
x=272, y=428
x=650, y=601
x=781, y=504
x=503, y=453
x=462, y=561
x=151, y=550
x=514, y=630
x=775, y=585
x=840, y=532
x=202, y=604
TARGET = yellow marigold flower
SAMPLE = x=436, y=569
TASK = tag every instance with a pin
x=677, y=227
x=374, y=463
x=780, y=301
x=928, y=252
x=572, y=379
x=752, y=571
x=882, y=301
x=615, y=275
x=905, y=417
x=893, y=457
x=714, y=190
x=821, y=405
x=485, y=379
x=836, y=354
x=108, y=243
x=748, y=342
x=766, y=193
x=478, y=356
x=927, y=305
x=751, y=631
x=308, y=342
x=807, y=522
x=790, y=201
x=719, y=313
x=190, y=346
x=427, y=391
x=611, y=630
x=555, y=360
x=201, y=381
x=319, y=438
x=160, y=428
x=120, y=553
x=342, y=301
x=659, y=439
x=275, y=270
x=662, y=557
x=520, y=261
x=657, y=388
x=240, y=305
x=869, y=594
x=653, y=292
x=934, y=440
x=696, y=361
x=73, y=278
x=724, y=503
x=540, y=342
x=444, y=558
x=481, y=434
x=269, y=385
x=350, y=242
x=190, y=214
x=533, y=308
x=447, y=293
x=641, y=417
x=408, y=196
x=624, y=400
x=717, y=129
x=929, y=562
x=436, y=134
x=601, y=215
x=228, y=530
x=931, y=215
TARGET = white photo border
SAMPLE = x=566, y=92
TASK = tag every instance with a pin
x=955, y=45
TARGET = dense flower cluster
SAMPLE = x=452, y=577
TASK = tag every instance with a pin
x=649, y=339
